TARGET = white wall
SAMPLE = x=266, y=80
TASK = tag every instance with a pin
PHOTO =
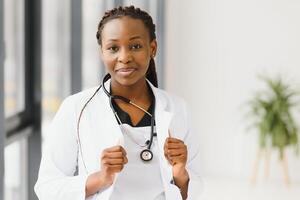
x=214, y=50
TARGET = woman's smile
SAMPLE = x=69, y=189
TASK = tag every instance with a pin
x=126, y=71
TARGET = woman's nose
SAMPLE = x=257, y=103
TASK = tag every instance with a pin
x=124, y=56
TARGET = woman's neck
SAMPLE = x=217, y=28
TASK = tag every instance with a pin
x=136, y=92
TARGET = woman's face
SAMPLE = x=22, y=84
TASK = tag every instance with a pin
x=126, y=50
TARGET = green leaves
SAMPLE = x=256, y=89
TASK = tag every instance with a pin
x=271, y=112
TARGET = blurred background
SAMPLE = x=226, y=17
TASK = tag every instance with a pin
x=211, y=53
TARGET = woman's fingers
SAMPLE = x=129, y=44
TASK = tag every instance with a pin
x=173, y=140
x=114, y=157
x=175, y=150
x=114, y=161
x=117, y=148
x=169, y=146
x=174, y=145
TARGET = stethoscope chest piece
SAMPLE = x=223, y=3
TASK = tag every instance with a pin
x=146, y=155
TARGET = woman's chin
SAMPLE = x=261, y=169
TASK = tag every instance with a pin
x=130, y=81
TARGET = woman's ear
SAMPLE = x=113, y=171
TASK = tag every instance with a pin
x=153, y=48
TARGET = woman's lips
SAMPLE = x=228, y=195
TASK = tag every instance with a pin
x=126, y=71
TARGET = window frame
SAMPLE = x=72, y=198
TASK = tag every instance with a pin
x=15, y=127
x=2, y=119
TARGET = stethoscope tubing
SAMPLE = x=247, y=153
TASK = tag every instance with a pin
x=111, y=97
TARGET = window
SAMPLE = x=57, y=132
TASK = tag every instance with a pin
x=14, y=56
x=55, y=55
x=20, y=96
x=14, y=98
x=15, y=171
x=92, y=68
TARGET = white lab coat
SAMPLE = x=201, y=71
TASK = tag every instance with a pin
x=99, y=129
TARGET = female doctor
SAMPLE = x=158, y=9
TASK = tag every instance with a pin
x=126, y=139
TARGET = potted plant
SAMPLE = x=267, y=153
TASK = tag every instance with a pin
x=271, y=111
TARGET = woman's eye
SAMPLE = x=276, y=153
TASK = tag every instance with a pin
x=113, y=49
x=136, y=46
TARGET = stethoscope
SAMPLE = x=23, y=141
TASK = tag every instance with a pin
x=146, y=154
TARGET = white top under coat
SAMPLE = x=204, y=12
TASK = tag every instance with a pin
x=139, y=179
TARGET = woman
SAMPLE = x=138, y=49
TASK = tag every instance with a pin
x=126, y=139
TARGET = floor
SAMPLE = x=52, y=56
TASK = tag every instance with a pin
x=223, y=189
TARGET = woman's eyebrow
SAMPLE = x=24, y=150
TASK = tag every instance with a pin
x=113, y=40
x=132, y=38
x=135, y=37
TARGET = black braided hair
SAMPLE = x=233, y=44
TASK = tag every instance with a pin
x=135, y=13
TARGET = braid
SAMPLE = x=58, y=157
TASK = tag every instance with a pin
x=135, y=13
x=151, y=73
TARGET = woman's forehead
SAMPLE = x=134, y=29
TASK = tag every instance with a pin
x=124, y=28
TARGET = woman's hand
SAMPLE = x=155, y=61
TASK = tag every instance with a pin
x=176, y=153
x=113, y=160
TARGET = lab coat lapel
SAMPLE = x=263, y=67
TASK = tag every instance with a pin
x=104, y=125
x=163, y=120
x=113, y=133
x=162, y=117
